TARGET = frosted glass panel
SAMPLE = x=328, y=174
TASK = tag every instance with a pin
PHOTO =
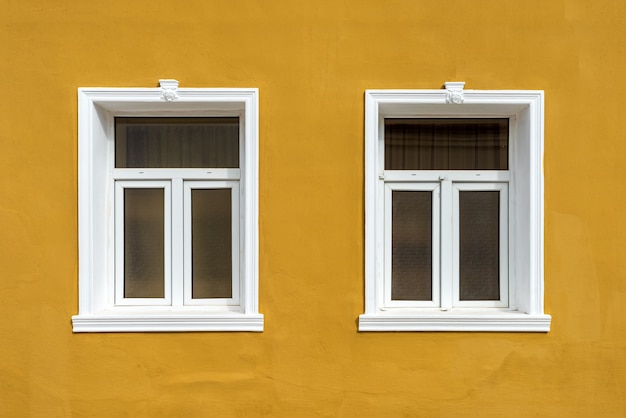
x=411, y=259
x=446, y=144
x=143, y=243
x=211, y=243
x=176, y=142
x=479, y=245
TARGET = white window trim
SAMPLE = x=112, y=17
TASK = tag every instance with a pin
x=525, y=110
x=97, y=108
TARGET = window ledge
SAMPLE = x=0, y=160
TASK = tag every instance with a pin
x=449, y=321
x=170, y=322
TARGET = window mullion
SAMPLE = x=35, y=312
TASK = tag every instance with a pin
x=446, y=269
x=177, y=242
x=456, y=249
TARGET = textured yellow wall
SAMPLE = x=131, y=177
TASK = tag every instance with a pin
x=312, y=61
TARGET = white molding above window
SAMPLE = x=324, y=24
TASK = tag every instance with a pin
x=97, y=109
x=524, y=309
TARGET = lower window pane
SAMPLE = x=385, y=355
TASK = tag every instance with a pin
x=411, y=259
x=143, y=243
x=211, y=217
x=479, y=264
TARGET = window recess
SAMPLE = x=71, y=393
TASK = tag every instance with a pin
x=454, y=211
x=178, y=251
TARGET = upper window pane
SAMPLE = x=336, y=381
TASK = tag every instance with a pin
x=446, y=144
x=177, y=142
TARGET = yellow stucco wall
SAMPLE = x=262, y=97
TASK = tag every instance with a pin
x=312, y=61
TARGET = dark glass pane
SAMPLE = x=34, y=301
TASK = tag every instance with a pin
x=176, y=142
x=143, y=243
x=446, y=144
x=211, y=217
x=479, y=245
x=411, y=246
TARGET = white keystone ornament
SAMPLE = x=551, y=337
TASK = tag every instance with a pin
x=454, y=90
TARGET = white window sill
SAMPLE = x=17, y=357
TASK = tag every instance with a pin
x=455, y=320
x=167, y=322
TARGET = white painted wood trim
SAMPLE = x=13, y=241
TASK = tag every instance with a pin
x=177, y=234
x=182, y=173
x=373, y=262
x=97, y=108
x=249, y=204
x=447, y=245
x=453, y=175
x=167, y=323
x=525, y=110
x=513, y=322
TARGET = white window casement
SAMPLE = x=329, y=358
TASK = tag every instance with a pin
x=168, y=209
x=454, y=210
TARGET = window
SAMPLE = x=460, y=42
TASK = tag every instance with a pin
x=454, y=211
x=168, y=210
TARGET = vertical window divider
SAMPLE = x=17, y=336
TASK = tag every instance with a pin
x=118, y=288
x=177, y=239
x=504, y=246
x=236, y=242
x=387, y=243
x=187, y=243
x=446, y=267
x=456, y=232
x=436, y=249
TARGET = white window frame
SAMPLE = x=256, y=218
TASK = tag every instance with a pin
x=503, y=301
x=521, y=307
x=120, y=187
x=98, y=310
x=435, y=189
x=187, y=262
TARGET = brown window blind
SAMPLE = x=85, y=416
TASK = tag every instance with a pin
x=176, y=142
x=446, y=144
